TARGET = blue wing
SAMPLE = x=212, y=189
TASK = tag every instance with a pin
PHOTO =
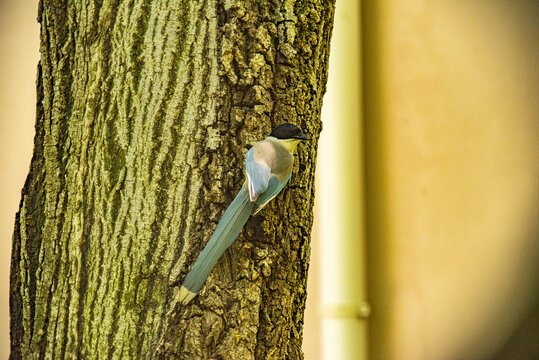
x=273, y=189
x=258, y=176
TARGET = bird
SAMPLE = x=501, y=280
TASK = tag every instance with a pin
x=268, y=168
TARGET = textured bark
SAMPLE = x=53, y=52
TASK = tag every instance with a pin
x=145, y=112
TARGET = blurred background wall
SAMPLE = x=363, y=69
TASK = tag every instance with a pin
x=450, y=130
x=435, y=107
x=19, y=54
x=451, y=94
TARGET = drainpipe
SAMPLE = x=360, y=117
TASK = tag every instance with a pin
x=340, y=198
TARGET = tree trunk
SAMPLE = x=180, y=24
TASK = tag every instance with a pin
x=145, y=113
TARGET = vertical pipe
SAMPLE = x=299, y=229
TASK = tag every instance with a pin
x=340, y=195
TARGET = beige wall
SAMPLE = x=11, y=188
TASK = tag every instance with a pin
x=452, y=114
x=19, y=54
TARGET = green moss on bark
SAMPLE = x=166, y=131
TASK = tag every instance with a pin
x=145, y=113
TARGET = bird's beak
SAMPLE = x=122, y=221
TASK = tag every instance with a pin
x=302, y=136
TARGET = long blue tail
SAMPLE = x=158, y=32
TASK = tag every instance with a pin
x=227, y=230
